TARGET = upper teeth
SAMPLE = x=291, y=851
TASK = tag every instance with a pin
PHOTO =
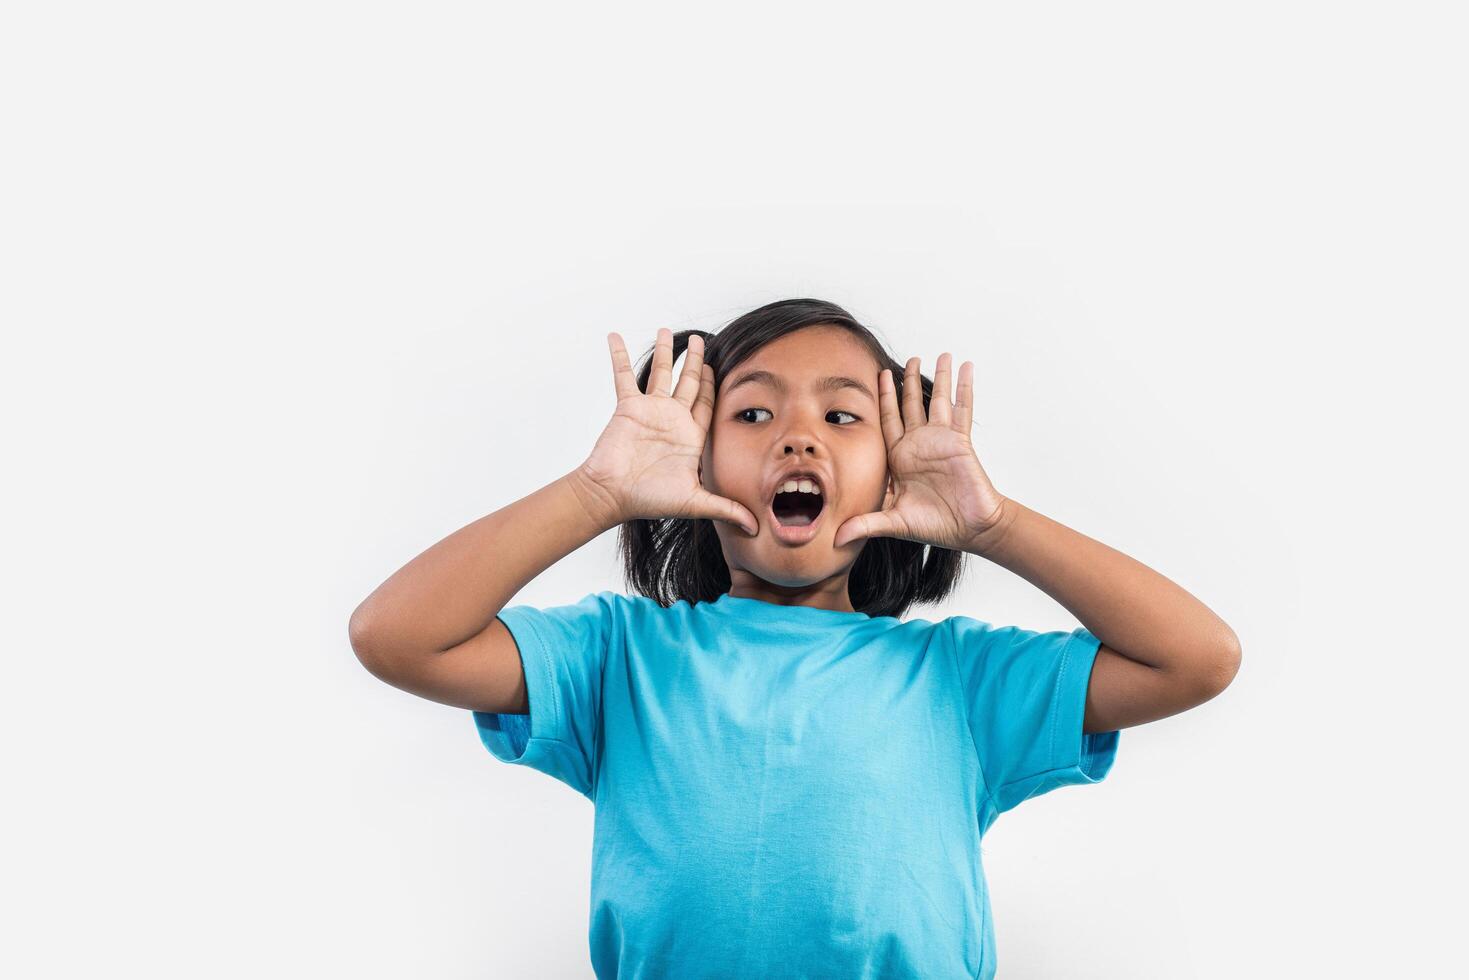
x=803, y=485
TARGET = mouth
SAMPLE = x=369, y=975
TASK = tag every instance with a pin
x=795, y=516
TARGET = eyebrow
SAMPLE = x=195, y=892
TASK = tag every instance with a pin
x=835, y=383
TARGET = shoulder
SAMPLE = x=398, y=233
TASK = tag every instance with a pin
x=640, y=614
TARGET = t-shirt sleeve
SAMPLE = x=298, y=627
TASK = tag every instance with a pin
x=562, y=650
x=1025, y=694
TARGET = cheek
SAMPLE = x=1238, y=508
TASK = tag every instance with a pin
x=729, y=465
x=872, y=474
x=715, y=457
x=722, y=471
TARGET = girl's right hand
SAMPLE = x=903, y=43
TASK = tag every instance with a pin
x=646, y=462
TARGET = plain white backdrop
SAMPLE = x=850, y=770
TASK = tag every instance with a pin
x=293, y=290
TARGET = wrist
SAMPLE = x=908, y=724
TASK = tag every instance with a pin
x=986, y=543
x=601, y=507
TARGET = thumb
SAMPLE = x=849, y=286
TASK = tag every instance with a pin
x=874, y=525
x=715, y=507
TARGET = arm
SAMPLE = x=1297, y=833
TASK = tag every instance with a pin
x=430, y=629
x=1163, y=651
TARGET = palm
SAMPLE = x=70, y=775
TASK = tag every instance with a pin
x=941, y=494
x=938, y=494
x=646, y=461
x=651, y=448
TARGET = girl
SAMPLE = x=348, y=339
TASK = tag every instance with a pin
x=790, y=780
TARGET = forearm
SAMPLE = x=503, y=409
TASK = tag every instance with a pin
x=455, y=589
x=1127, y=605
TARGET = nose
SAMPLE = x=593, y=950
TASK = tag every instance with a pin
x=801, y=437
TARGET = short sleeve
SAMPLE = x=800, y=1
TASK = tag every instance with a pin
x=562, y=651
x=1025, y=694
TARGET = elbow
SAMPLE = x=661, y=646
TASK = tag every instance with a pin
x=359, y=633
x=1225, y=664
x=364, y=641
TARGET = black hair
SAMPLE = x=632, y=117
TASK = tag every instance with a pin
x=669, y=559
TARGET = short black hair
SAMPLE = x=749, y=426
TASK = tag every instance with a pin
x=669, y=559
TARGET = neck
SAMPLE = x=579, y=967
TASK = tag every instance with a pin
x=830, y=593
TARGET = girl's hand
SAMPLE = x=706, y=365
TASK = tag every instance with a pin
x=941, y=495
x=646, y=462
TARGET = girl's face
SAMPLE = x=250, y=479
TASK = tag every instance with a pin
x=806, y=402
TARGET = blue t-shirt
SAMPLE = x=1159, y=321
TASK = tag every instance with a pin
x=788, y=791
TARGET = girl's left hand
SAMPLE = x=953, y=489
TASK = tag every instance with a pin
x=940, y=494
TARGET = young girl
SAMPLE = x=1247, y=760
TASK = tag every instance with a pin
x=790, y=780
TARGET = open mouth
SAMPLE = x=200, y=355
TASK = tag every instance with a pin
x=796, y=509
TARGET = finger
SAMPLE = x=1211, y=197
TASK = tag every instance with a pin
x=703, y=409
x=662, y=375
x=940, y=405
x=912, y=396
x=887, y=403
x=873, y=525
x=964, y=405
x=723, y=509
x=690, y=376
x=623, y=379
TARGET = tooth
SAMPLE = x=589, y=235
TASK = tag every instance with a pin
x=790, y=486
x=807, y=486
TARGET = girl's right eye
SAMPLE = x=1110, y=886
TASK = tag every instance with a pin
x=747, y=411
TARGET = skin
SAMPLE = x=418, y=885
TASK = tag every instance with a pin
x=759, y=431
x=914, y=475
x=677, y=451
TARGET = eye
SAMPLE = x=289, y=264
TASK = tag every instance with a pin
x=746, y=411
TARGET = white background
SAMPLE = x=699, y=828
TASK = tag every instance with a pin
x=293, y=290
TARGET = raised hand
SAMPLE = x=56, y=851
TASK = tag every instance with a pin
x=941, y=495
x=646, y=462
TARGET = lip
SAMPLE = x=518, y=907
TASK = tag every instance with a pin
x=793, y=535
